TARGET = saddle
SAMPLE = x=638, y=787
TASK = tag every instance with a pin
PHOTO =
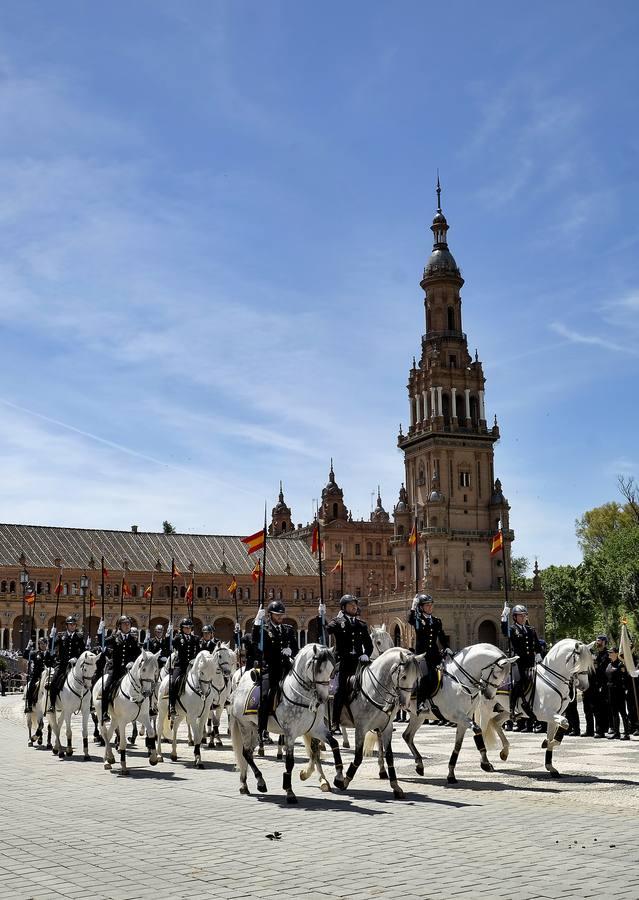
x=431, y=682
x=252, y=704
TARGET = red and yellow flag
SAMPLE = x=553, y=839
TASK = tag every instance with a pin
x=412, y=537
x=30, y=596
x=126, y=590
x=105, y=574
x=315, y=540
x=58, y=588
x=254, y=542
x=189, y=591
x=338, y=565
x=175, y=572
x=232, y=586
x=497, y=544
x=148, y=592
x=257, y=571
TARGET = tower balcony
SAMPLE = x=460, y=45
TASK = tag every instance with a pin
x=438, y=335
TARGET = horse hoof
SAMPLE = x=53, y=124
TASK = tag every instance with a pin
x=124, y=772
x=40, y=741
x=219, y=746
x=211, y=745
x=503, y=755
x=199, y=764
x=30, y=742
x=419, y=770
x=488, y=767
x=383, y=775
x=49, y=747
x=69, y=752
x=244, y=789
x=261, y=786
x=303, y=775
x=291, y=799
x=174, y=757
x=554, y=773
x=107, y=766
x=544, y=744
x=451, y=779
x=61, y=754
x=340, y=784
x=260, y=751
x=86, y=757
x=399, y=795
x=154, y=760
x=325, y=787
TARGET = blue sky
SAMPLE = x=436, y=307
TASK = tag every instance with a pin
x=213, y=220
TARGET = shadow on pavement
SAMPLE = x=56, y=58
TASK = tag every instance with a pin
x=469, y=785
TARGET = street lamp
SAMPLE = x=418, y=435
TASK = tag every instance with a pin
x=84, y=584
x=24, y=581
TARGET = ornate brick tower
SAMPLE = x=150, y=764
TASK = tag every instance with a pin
x=448, y=452
x=281, y=521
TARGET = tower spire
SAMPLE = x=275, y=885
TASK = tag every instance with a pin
x=439, y=192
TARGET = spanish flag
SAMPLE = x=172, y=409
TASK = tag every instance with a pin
x=189, y=591
x=257, y=570
x=30, y=596
x=232, y=586
x=315, y=540
x=497, y=544
x=338, y=565
x=175, y=572
x=105, y=573
x=126, y=590
x=58, y=588
x=148, y=592
x=254, y=542
x=412, y=537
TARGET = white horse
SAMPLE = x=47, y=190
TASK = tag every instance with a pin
x=195, y=699
x=221, y=693
x=300, y=711
x=384, y=685
x=382, y=641
x=130, y=703
x=556, y=679
x=35, y=717
x=74, y=697
x=466, y=677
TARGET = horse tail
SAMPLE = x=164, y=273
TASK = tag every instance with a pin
x=484, y=718
x=370, y=743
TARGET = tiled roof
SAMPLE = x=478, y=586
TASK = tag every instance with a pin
x=42, y=545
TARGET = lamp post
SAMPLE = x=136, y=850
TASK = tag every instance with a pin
x=24, y=581
x=84, y=584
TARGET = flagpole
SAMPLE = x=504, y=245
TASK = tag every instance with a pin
x=341, y=575
x=503, y=556
x=171, y=615
x=122, y=594
x=52, y=640
x=148, y=631
x=416, y=559
x=238, y=642
x=103, y=711
x=321, y=581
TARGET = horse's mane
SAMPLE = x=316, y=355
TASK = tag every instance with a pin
x=583, y=658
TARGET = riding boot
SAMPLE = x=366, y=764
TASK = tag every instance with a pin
x=338, y=705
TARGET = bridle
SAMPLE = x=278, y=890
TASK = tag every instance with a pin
x=308, y=687
x=569, y=681
x=388, y=701
x=482, y=684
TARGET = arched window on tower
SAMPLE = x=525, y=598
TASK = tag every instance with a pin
x=283, y=527
x=378, y=548
x=369, y=548
x=461, y=408
x=446, y=408
x=335, y=508
x=451, y=318
x=474, y=411
x=200, y=593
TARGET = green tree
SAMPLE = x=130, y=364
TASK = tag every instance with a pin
x=597, y=524
x=167, y=528
x=610, y=575
x=570, y=610
x=519, y=566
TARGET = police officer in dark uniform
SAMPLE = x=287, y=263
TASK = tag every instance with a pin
x=157, y=644
x=600, y=685
x=353, y=644
x=120, y=649
x=38, y=660
x=525, y=644
x=429, y=632
x=279, y=648
x=615, y=676
x=207, y=641
x=187, y=647
x=68, y=646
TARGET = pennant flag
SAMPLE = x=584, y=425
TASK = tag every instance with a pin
x=30, y=596
x=126, y=590
x=232, y=586
x=91, y=600
x=412, y=537
x=58, y=587
x=497, y=544
x=337, y=566
x=105, y=574
x=315, y=540
x=626, y=650
x=175, y=572
x=257, y=570
x=148, y=592
x=254, y=542
x=189, y=591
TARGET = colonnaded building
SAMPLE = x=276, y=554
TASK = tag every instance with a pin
x=450, y=496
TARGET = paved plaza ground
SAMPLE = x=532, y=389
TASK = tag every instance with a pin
x=71, y=829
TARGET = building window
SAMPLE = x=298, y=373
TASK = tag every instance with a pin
x=207, y=592
x=452, y=362
x=247, y=593
x=182, y=592
x=134, y=590
x=358, y=552
x=3, y=587
x=310, y=595
x=167, y=591
x=369, y=548
x=200, y=593
x=116, y=590
x=216, y=593
x=279, y=595
x=469, y=567
x=378, y=549
x=464, y=479
x=338, y=548
x=296, y=594
x=358, y=592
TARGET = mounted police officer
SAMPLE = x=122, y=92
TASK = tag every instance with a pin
x=68, y=647
x=429, y=632
x=38, y=660
x=353, y=645
x=279, y=647
x=187, y=647
x=524, y=643
x=120, y=649
x=207, y=641
x=158, y=643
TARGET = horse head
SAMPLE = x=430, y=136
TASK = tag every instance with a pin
x=84, y=669
x=381, y=641
x=205, y=667
x=408, y=672
x=146, y=670
x=319, y=667
x=226, y=660
x=496, y=674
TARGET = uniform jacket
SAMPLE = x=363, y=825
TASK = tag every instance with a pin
x=210, y=645
x=351, y=636
x=187, y=647
x=68, y=646
x=121, y=649
x=276, y=639
x=428, y=632
x=601, y=664
x=524, y=643
x=615, y=677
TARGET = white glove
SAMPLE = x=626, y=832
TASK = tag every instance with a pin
x=321, y=609
x=73, y=661
x=259, y=618
x=237, y=628
x=286, y=651
x=363, y=658
x=414, y=604
x=53, y=632
x=505, y=613
x=101, y=627
x=169, y=630
x=537, y=657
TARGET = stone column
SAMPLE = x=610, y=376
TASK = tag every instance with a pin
x=467, y=395
x=418, y=409
x=453, y=403
x=439, y=402
x=412, y=411
x=433, y=410
x=425, y=404
x=482, y=411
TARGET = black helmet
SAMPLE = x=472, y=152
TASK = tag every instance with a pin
x=423, y=598
x=122, y=620
x=276, y=606
x=159, y=627
x=43, y=640
x=347, y=598
x=186, y=622
x=71, y=620
x=207, y=628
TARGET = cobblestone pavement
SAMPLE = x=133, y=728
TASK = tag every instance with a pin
x=71, y=829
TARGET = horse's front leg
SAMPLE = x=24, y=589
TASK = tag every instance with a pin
x=198, y=731
x=501, y=716
x=345, y=742
x=107, y=731
x=357, y=759
x=280, y=744
x=122, y=747
x=478, y=737
x=386, y=738
x=67, y=723
x=557, y=728
x=415, y=721
x=287, y=778
x=149, y=734
x=86, y=706
x=383, y=774
x=459, y=740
